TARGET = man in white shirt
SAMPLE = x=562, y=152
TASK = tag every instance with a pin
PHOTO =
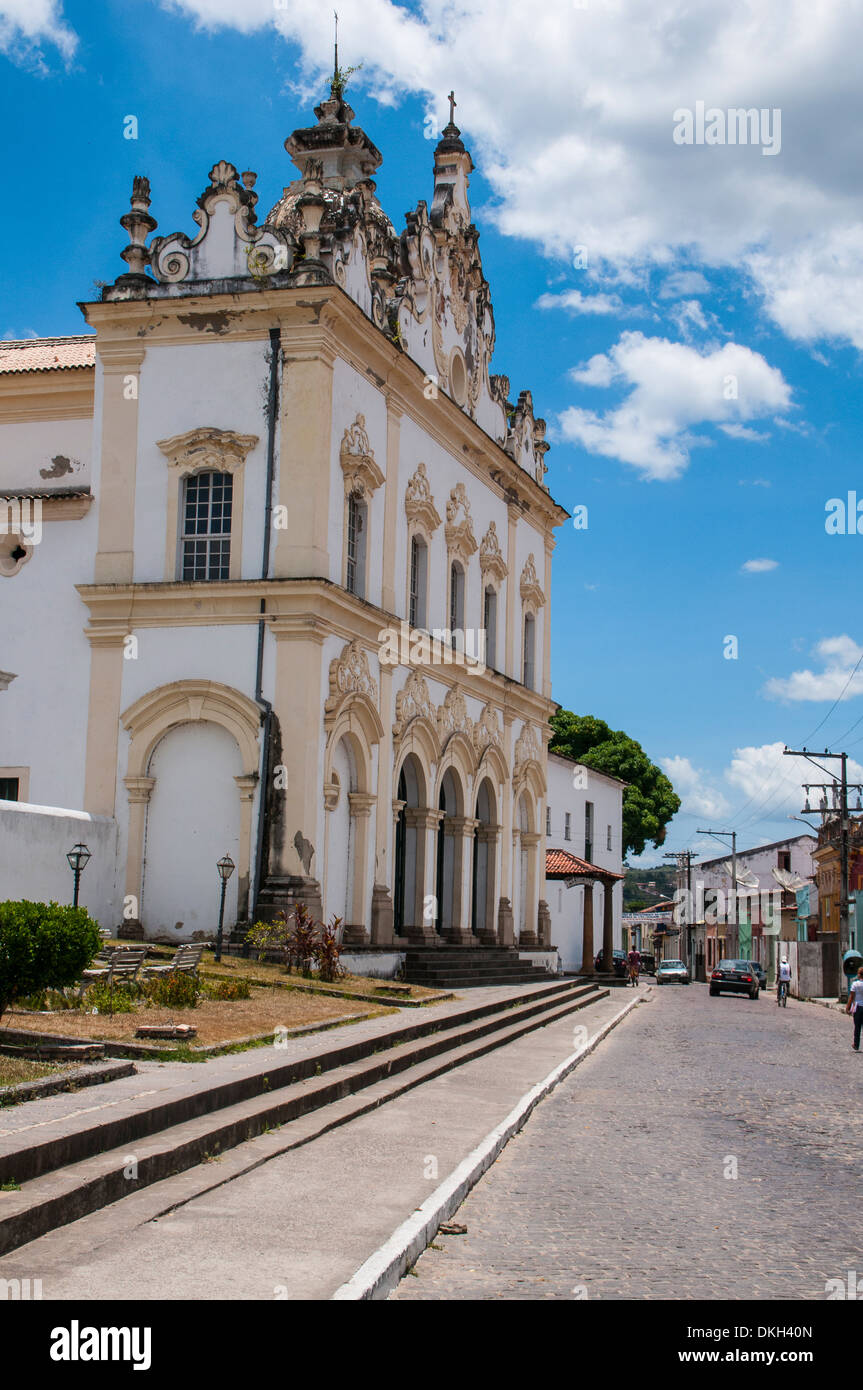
x=855, y=1006
x=783, y=976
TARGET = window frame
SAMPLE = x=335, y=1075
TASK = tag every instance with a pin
x=185, y=539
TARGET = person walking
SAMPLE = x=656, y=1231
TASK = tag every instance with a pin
x=855, y=1006
x=634, y=963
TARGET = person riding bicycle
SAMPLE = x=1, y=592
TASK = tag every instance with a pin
x=633, y=961
x=783, y=977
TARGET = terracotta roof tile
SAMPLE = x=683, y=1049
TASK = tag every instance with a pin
x=559, y=863
x=47, y=354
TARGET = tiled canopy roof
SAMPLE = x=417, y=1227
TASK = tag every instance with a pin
x=560, y=864
x=47, y=354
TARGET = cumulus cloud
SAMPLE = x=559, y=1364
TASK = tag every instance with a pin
x=758, y=566
x=839, y=657
x=673, y=387
x=698, y=797
x=580, y=152
x=684, y=282
x=773, y=783
x=574, y=302
x=27, y=24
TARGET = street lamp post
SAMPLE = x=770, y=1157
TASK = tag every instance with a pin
x=226, y=868
x=78, y=858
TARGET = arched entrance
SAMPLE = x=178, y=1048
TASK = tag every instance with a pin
x=193, y=818
x=484, y=868
x=409, y=856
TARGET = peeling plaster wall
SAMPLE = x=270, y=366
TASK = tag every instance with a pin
x=60, y=448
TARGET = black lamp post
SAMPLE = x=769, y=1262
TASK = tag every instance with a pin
x=226, y=868
x=78, y=858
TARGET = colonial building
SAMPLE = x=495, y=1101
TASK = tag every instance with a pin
x=584, y=852
x=275, y=569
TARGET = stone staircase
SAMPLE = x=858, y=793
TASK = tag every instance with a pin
x=463, y=967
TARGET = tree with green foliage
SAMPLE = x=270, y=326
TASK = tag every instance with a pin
x=43, y=946
x=649, y=800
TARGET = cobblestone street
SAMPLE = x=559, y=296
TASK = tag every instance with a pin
x=620, y=1185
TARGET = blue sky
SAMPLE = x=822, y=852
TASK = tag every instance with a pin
x=700, y=374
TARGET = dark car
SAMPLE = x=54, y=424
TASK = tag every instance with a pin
x=758, y=969
x=734, y=977
x=620, y=967
x=648, y=963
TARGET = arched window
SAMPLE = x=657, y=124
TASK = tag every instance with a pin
x=489, y=622
x=528, y=651
x=355, y=580
x=205, y=543
x=418, y=615
x=456, y=599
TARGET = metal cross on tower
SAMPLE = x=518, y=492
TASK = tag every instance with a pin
x=452, y=105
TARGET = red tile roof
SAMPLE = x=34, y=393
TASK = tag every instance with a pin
x=560, y=864
x=47, y=354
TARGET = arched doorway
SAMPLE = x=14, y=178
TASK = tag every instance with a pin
x=449, y=860
x=193, y=818
x=341, y=837
x=484, y=870
x=409, y=845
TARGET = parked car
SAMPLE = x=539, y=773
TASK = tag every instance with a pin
x=648, y=963
x=734, y=977
x=619, y=963
x=670, y=972
x=758, y=969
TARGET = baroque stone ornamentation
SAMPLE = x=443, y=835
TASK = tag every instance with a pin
x=413, y=701
x=460, y=538
x=208, y=448
x=486, y=731
x=452, y=716
x=349, y=675
x=491, y=561
x=529, y=586
x=527, y=748
x=361, y=473
x=419, y=503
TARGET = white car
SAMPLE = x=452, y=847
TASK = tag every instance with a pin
x=672, y=972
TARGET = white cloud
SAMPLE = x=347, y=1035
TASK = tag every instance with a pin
x=697, y=796
x=687, y=316
x=25, y=24
x=774, y=783
x=744, y=432
x=839, y=656
x=570, y=114
x=684, y=282
x=758, y=566
x=577, y=303
x=673, y=387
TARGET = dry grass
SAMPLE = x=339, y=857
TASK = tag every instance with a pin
x=217, y=1021
x=14, y=1070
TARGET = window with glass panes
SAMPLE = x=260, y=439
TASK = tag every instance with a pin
x=206, y=540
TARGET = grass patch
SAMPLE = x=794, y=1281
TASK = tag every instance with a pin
x=14, y=1070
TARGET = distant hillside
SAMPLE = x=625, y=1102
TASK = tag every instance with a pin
x=641, y=887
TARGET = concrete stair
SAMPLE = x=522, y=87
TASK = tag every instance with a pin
x=461, y=967
x=83, y=1164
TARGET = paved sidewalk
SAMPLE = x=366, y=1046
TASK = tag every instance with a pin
x=300, y=1225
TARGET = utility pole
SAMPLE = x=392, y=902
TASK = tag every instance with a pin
x=732, y=901
x=843, y=838
x=684, y=860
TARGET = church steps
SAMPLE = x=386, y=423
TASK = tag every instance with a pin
x=68, y=1190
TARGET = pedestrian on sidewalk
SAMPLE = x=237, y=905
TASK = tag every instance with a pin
x=634, y=962
x=855, y=1006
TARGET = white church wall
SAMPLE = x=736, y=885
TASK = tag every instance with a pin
x=34, y=842
x=569, y=787
x=30, y=449
x=181, y=388
x=354, y=395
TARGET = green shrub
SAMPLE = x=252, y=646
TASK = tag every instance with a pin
x=176, y=991
x=225, y=989
x=46, y=1000
x=119, y=998
x=43, y=946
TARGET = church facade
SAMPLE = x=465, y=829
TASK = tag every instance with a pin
x=289, y=599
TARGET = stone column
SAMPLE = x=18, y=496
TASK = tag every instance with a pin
x=529, y=939
x=361, y=803
x=587, y=951
x=487, y=933
x=608, y=927
x=421, y=930
x=461, y=828
x=508, y=841
x=246, y=785
x=305, y=463
x=543, y=923
x=103, y=718
x=384, y=875
x=139, y=789
x=115, y=485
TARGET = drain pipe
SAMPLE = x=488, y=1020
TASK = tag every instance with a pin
x=267, y=723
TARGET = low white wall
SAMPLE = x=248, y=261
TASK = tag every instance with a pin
x=378, y=965
x=34, y=841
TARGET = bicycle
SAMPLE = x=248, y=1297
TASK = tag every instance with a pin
x=782, y=994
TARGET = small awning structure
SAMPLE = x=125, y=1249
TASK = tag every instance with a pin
x=559, y=863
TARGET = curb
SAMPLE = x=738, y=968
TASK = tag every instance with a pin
x=68, y=1081
x=381, y=1272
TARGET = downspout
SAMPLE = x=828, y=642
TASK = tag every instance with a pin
x=267, y=723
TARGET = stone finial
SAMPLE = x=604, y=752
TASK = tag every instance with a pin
x=139, y=224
